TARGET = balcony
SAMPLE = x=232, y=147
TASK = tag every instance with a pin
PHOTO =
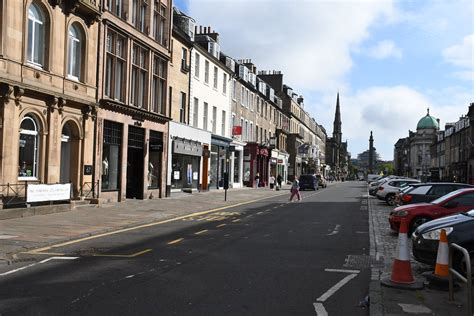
x=88, y=10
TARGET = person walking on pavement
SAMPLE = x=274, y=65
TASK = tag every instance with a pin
x=271, y=181
x=257, y=179
x=279, y=180
x=295, y=190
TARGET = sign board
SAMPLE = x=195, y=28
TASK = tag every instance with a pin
x=87, y=170
x=176, y=175
x=48, y=192
x=236, y=130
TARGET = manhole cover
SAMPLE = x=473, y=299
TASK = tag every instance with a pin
x=362, y=261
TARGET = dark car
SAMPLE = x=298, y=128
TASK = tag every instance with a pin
x=461, y=200
x=427, y=192
x=308, y=182
x=459, y=229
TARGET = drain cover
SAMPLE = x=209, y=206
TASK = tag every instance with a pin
x=362, y=261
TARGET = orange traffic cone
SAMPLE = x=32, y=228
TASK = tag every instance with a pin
x=439, y=279
x=402, y=276
x=442, y=258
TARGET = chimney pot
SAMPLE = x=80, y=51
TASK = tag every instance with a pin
x=200, y=29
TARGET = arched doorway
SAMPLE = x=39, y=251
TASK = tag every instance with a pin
x=70, y=156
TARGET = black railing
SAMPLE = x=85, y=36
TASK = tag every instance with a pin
x=15, y=193
x=90, y=190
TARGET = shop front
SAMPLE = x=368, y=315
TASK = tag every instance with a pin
x=185, y=164
x=236, y=164
x=219, y=156
x=256, y=160
x=189, y=158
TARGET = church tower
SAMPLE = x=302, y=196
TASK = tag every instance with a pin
x=371, y=153
x=337, y=127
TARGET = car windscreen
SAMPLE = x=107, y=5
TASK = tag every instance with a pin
x=421, y=190
x=445, y=197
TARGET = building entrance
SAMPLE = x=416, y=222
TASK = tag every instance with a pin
x=136, y=138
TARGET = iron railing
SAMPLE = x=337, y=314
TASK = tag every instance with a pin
x=90, y=190
x=468, y=279
x=15, y=193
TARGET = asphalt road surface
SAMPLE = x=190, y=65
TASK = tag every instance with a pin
x=270, y=257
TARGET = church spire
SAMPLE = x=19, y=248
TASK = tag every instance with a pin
x=337, y=130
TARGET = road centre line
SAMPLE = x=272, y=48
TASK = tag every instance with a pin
x=34, y=251
x=175, y=241
x=201, y=232
x=336, y=287
x=236, y=220
x=221, y=225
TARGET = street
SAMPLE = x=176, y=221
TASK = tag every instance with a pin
x=270, y=257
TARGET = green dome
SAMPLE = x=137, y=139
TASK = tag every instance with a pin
x=427, y=122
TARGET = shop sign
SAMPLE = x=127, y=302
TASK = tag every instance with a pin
x=48, y=192
x=187, y=147
x=280, y=160
x=236, y=130
x=176, y=175
x=263, y=151
x=87, y=170
x=273, y=160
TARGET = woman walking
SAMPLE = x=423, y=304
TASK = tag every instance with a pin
x=295, y=190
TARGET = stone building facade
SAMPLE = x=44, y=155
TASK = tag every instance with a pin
x=132, y=124
x=48, y=67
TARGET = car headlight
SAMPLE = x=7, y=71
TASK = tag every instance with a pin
x=400, y=213
x=434, y=234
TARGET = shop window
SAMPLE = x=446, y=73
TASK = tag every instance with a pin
x=29, y=144
x=236, y=166
x=154, y=159
x=75, y=51
x=112, y=144
x=37, y=40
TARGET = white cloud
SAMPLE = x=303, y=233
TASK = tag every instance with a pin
x=462, y=54
x=309, y=41
x=385, y=49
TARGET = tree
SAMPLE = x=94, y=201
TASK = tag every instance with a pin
x=386, y=167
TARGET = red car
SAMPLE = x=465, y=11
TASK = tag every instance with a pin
x=416, y=214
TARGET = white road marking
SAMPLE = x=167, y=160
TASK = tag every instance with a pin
x=7, y=236
x=414, y=309
x=335, y=231
x=129, y=276
x=320, y=310
x=336, y=287
x=36, y=263
x=342, y=270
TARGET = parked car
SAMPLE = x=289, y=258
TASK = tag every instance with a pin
x=321, y=181
x=308, y=182
x=416, y=214
x=460, y=230
x=399, y=194
x=427, y=192
x=387, y=190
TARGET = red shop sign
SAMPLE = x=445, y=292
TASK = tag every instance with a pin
x=263, y=151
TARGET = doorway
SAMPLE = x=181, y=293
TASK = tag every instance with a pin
x=70, y=156
x=135, y=154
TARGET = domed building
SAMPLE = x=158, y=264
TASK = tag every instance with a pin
x=412, y=154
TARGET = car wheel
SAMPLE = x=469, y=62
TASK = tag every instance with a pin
x=390, y=199
x=417, y=221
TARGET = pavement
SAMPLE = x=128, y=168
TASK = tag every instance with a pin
x=19, y=235
x=390, y=301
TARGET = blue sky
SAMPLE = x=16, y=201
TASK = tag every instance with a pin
x=390, y=60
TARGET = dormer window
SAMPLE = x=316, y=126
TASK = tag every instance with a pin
x=214, y=49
